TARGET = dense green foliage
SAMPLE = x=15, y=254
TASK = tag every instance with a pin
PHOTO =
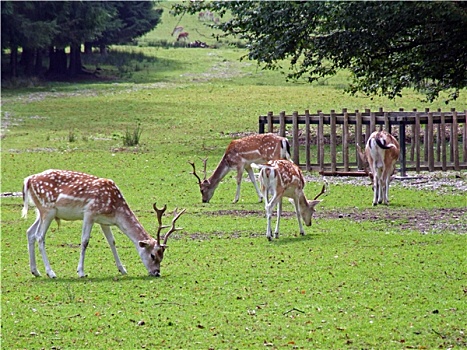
x=37, y=28
x=387, y=46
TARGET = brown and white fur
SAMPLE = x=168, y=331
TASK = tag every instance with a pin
x=239, y=155
x=282, y=178
x=69, y=195
x=380, y=157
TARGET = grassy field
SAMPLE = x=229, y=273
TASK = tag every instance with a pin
x=361, y=277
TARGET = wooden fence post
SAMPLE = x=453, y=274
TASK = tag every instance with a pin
x=455, y=140
x=296, y=144
x=442, y=138
x=307, y=140
x=270, y=126
x=402, y=157
x=372, y=122
x=282, y=124
x=387, y=122
x=464, y=141
x=345, y=140
x=425, y=139
x=321, y=141
x=416, y=141
x=333, y=140
x=358, y=137
x=429, y=145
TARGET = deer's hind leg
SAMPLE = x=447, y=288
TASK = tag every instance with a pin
x=31, y=233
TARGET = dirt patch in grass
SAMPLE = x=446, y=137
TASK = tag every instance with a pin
x=453, y=220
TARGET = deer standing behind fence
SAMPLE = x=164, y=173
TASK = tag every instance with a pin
x=282, y=178
x=239, y=155
x=71, y=196
x=379, y=159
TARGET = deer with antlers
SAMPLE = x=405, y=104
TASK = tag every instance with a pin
x=380, y=157
x=69, y=195
x=282, y=178
x=239, y=155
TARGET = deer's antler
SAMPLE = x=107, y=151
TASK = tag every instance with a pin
x=159, y=213
x=323, y=190
x=205, y=160
x=194, y=171
x=173, y=228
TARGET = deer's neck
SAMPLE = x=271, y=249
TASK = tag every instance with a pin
x=302, y=200
x=129, y=224
x=219, y=173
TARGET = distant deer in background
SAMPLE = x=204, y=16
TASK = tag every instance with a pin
x=69, y=195
x=379, y=159
x=177, y=30
x=239, y=155
x=183, y=36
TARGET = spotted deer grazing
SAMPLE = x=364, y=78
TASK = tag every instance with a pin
x=69, y=195
x=282, y=178
x=379, y=159
x=239, y=155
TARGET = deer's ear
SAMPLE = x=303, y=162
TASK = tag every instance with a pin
x=313, y=203
x=143, y=244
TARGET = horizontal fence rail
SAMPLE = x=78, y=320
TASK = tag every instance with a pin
x=429, y=140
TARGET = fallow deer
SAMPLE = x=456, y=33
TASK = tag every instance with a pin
x=380, y=157
x=282, y=178
x=177, y=30
x=183, y=36
x=239, y=155
x=69, y=195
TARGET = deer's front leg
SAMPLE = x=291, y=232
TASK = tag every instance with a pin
x=239, y=183
x=279, y=213
x=111, y=240
x=85, y=236
x=297, y=212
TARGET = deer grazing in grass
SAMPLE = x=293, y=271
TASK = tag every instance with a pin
x=177, y=30
x=69, y=195
x=183, y=36
x=379, y=159
x=239, y=155
x=282, y=178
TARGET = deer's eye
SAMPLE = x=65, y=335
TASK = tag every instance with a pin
x=153, y=257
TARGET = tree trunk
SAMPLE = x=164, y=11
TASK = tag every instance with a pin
x=103, y=49
x=38, y=67
x=27, y=61
x=57, y=61
x=14, y=62
x=75, y=60
x=87, y=48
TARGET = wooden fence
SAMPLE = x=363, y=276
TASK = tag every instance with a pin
x=429, y=140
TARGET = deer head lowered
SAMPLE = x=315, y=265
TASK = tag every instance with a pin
x=239, y=155
x=69, y=195
x=379, y=159
x=282, y=178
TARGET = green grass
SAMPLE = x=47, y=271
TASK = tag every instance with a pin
x=347, y=283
